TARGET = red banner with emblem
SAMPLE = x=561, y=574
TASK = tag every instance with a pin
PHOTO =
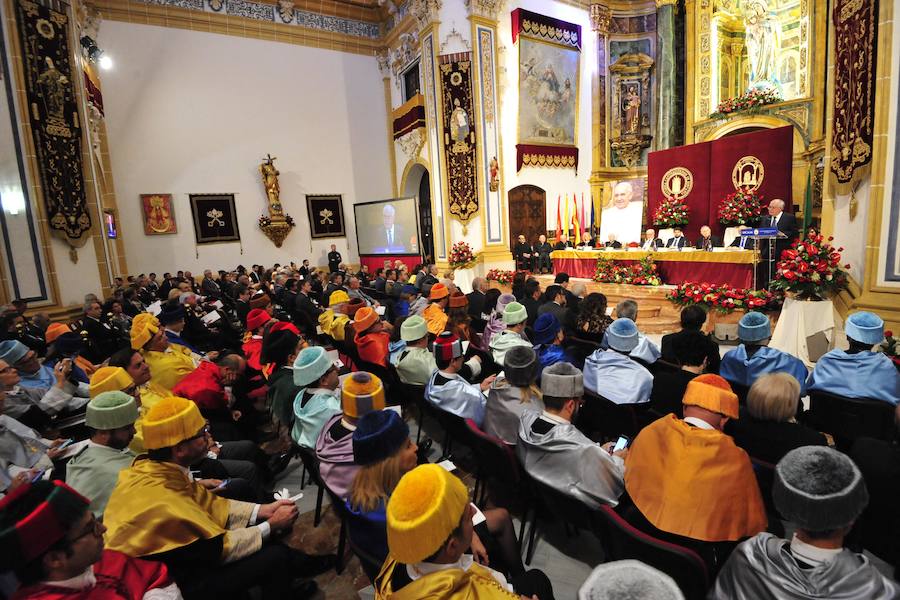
x=681, y=172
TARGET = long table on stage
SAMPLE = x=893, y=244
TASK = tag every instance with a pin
x=734, y=267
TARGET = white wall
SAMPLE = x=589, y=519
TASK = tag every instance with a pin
x=852, y=234
x=192, y=112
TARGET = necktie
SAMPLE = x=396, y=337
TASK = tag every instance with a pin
x=390, y=238
x=774, y=221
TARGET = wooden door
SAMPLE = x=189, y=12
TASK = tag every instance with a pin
x=527, y=213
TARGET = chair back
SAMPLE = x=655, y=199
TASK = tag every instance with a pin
x=495, y=458
x=311, y=463
x=601, y=419
x=849, y=418
x=454, y=426
x=580, y=348
x=625, y=541
x=555, y=505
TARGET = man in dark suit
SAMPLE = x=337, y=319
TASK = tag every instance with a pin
x=306, y=313
x=554, y=302
x=707, y=241
x=692, y=319
x=209, y=287
x=390, y=238
x=532, y=300
x=651, y=242
x=102, y=341
x=541, y=255
x=380, y=280
x=742, y=242
x=612, y=242
x=563, y=243
x=523, y=254
x=679, y=241
x=334, y=259
x=786, y=223
x=476, y=298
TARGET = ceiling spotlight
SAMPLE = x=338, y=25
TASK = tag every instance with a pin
x=105, y=62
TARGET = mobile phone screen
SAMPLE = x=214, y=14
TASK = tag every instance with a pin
x=621, y=443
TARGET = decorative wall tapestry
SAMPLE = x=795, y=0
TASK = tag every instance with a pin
x=854, y=89
x=549, y=56
x=326, y=216
x=159, y=218
x=53, y=114
x=215, y=219
x=459, y=134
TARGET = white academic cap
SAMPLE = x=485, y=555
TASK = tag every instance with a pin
x=628, y=580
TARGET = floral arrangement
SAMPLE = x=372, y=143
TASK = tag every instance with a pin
x=500, y=276
x=725, y=298
x=891, y=347
x=740, y=207
x=461, y=255
x=266, y=220
x=632, y=245
x=749, y=100
x=642, y=272
x=671, y=212
x=811, y=268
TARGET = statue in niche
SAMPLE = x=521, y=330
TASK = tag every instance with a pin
x=763, y=38
x=632, y=110
x=270, y=182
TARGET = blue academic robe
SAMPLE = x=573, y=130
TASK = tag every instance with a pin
x=452, y=393
x=617, y=378
x=43, y=378
x=861, y=375
x=645, y=351
x=737, y=368
x=174, y=338
x=552, y=354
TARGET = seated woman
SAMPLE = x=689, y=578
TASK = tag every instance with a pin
x=495, y=324
x=768, y=428
x=512, y=393
x=383, y=451
x=592, y=320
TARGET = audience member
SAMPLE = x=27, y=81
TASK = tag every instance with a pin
x=372, y=336
x=167, y=365
x=447, y=390
x=554, y=452
x=459, y=321
x=858, y=372
x=334, y=320
x=416, y=362
x=514, y=317
x=531, y=300
x=628, y=580
x=257, y=320
x=24, y=454
x=646, y=352
x=31, y=405
x=513, y=392
x=692, y=319
x=317, y=401
x=768, y=428
x=612, y=374
x=495, y=323
x=54, y=545
x=554, y=303
x=823, y=493
x=361, y=393
x=476, y=297
x=435, y=314
x=689, y=479
x=548, y=338
x=753, y=357
x=592, y=320
x=281, y=345
x=688, y=354
x=208, y=386
x=34, y=375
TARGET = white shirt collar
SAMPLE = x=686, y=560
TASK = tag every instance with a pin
x=465, y=562
x=553, y=418
x=698, y=423
x=79, y=582
x=810, y=554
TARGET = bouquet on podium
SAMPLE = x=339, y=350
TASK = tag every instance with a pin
x=811, y=268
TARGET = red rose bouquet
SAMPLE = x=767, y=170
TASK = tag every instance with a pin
x=811, y=268
x=642, y=272
x=461, y=255
x=740, y=207
x=725, y=298
x=751, y=100
x=500, y=276
x=671, y=212
x=891, y=347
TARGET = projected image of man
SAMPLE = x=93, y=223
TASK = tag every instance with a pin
x=391, y=235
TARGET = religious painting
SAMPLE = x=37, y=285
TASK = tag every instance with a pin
x=549, y=61
x=326, y=216
x=159, y=217
x=459, y=134
x=215, y=219
x=622, y=211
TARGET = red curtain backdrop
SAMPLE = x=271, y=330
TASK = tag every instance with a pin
x=773, y=147
x=711, y=164
x=695, y=158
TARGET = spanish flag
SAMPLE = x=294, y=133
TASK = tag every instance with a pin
x=577, y=223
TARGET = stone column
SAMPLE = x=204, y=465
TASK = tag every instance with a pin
x=600, y=20
x=666, y=115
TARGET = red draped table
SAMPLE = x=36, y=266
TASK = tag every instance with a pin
x=734, y=267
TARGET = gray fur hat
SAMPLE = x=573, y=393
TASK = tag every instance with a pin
x=628, y=580
x=562, y=380
x=819, y=488
x=520, y=366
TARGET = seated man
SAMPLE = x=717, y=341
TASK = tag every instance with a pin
x=689, y=479
x=630, y=579
x=54, y=545
x=858, y=372
x=522, y=253
x=554, y=452
x=41, y=378
x=317, y=401
x=435, y=313
x=429, y=531
x=742, y=242
x=612, y=242
x=372, y=336
x=212, y=546
x=688, y=353
x=651, y=242
x=554, y=302
x=24, y=454
x=447, y=390
x=753, y=357
x=542, y=250
x=707, y=241
x=334, y=319
x=823, y=493
x=172, y=319
x=612, y=373
x=361, y=393
x=207, y=387
x=548, y=339
x=34, y=407
x=678, y=241
x=168, y=364
x=257, y=319
x=646, y=352
x=94, y=471
x=515, y=317
x=692, y=319
x=416, y=363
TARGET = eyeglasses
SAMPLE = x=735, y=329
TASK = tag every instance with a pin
x=130, y=390
x=203, y=433
x=93, y=527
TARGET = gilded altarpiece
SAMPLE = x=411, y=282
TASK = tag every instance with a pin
x=630, y=114
x=459, y=134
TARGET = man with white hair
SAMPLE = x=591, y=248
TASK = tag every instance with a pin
x=707, y=241
x=209, y=286
x=390, y=236
x=476, y=298
x=651, y=242
x=355, y=291
x=786, y=223
x=622, y=217
x=646, y=352
x=542, y=250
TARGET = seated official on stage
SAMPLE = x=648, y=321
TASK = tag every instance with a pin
x=612, y=374
x=563, y=243
x=586, y=242
x=753, y=357
x=523, y=254
x=447, y=390
x=612, y=242
x=821, y=491
x=689, y=479
x=554, y=452
x=650, y=241
x=858, y=372
x=542, y=250
x=707, y=241
x=742, y=242
x=678, y=241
